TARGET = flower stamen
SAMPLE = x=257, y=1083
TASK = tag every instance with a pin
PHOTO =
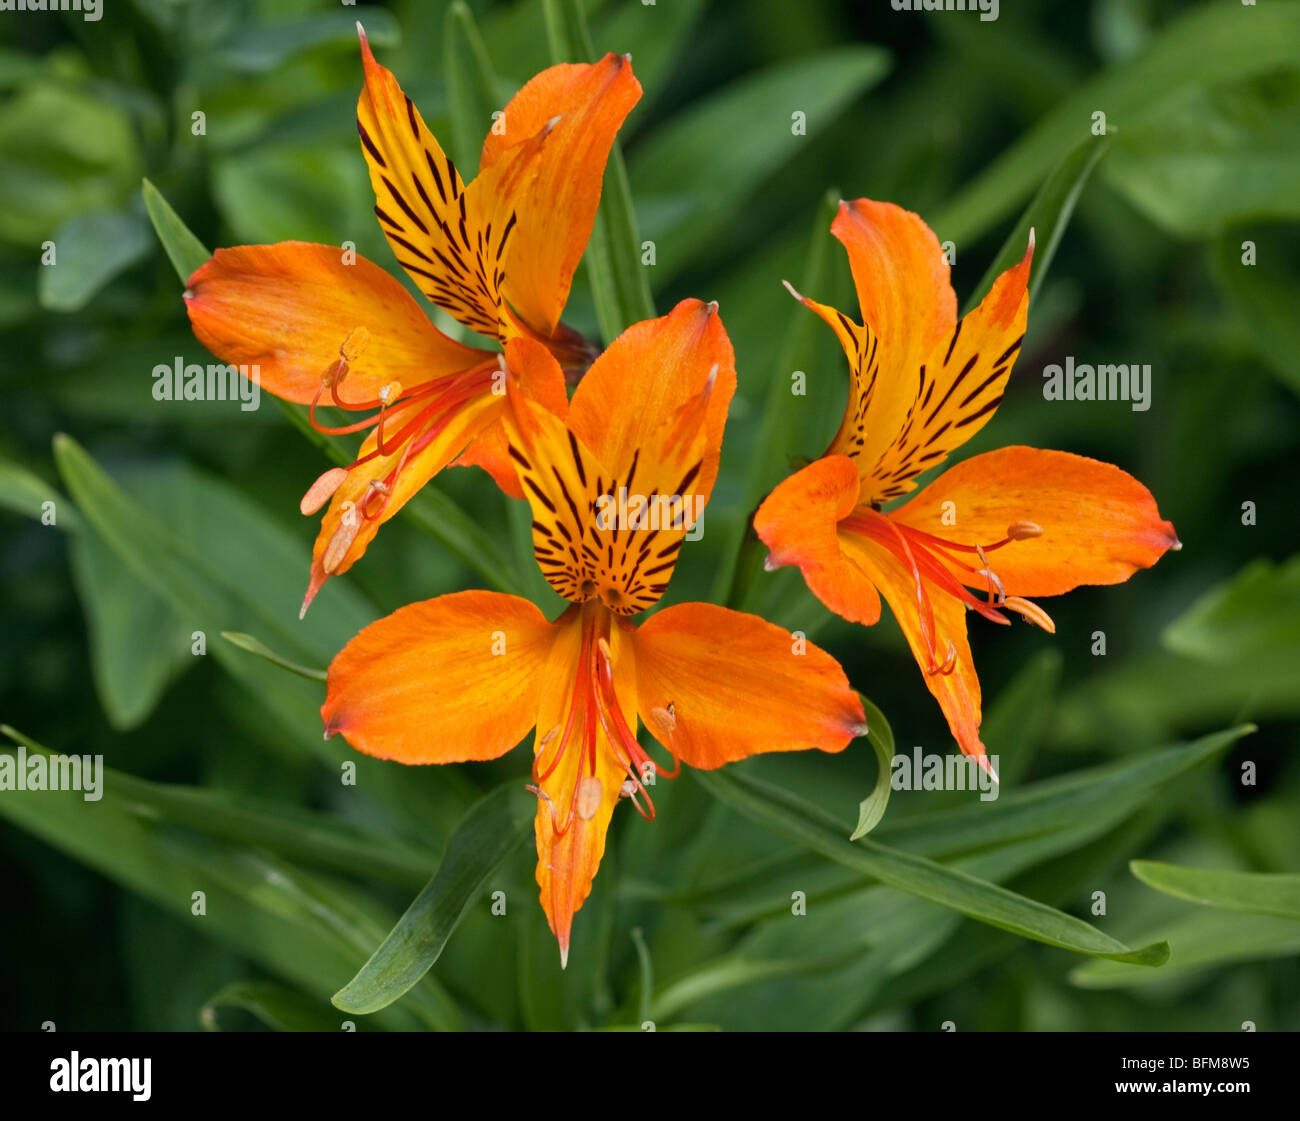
x=1030, y=611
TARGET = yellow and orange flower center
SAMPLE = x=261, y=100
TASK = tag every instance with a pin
x=593, y=708
x=934, y=568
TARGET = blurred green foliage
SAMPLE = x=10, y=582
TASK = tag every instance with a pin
x=1175, y=246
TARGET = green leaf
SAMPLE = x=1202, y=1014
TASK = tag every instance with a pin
x=64, y=151
x=620, y=287
x=261, y=47
x=295, y=192
x=1260, y=893
x=1211, y=44
x=1254, y=615
x=774, y=438
x=1100, y=795
x=472, y=85
x=872, y=808
x=212, y=580
x=696, y=170
x=1018, y=717
x=1047, y=217
x=132, y=656
x=90, y=250
x=1198, y=943
x=725, y=974
x=959, y=891
x=184, y=250
x=486, y=835
x=221, y=565
x=276, y=1006
x=254, y=646
x=647, y=976
x=305, y=928
x=826, y=966
x=137, y=644
x=1264, y=293
x=1214, y=156
x=25, y=493
x=314, y=838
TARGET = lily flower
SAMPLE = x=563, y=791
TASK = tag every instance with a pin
x=325, y=327
x=614, y=489
x=985, y=535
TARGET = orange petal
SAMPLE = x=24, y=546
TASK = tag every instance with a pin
x=345, y=532
x=961, y=385
x=556, y=211
x=715, y=685
x=1100, y=525
x=798, y=523
x=907, y=301
x=597, y=534
x=568, y=856
x=288, y=308
x=540, y=377
x=422, y=208
x=957, y=692
x=649, y=372
x=448, y=680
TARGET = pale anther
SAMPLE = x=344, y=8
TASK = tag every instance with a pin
x=590, y=792
x=357, y=341
x=322, y=490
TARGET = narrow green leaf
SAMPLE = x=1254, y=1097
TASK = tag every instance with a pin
x=472, y=85
x=278, y=1007
x=486, y=835
x=1199, y=942
x=25, y=493
x=620, y=286
x=305, y=928
x=1256, y=614
x=1107, y=793
x=90, y=249
x=1017, y=718
x=193, y=582
x=1260, y=893
x=772, y=447
x=1255, y=269
x=725, y=974
x=872, y=808
x=184, y=250
x=694, y=172
x=959, y=891
x=1211, y=44
x=137, y=644
x=315, y=838
x=566, y=31
x=254, y=646
x=647, y=975
x=1214, y=156
x=631, y=278
x=1047, y=216
x=221, y=565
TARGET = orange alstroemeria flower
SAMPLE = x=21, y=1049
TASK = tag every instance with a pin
x=328, y=328
x=990, y=531
x=466, y=676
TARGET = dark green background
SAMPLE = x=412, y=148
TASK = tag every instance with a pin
x=957, y=119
